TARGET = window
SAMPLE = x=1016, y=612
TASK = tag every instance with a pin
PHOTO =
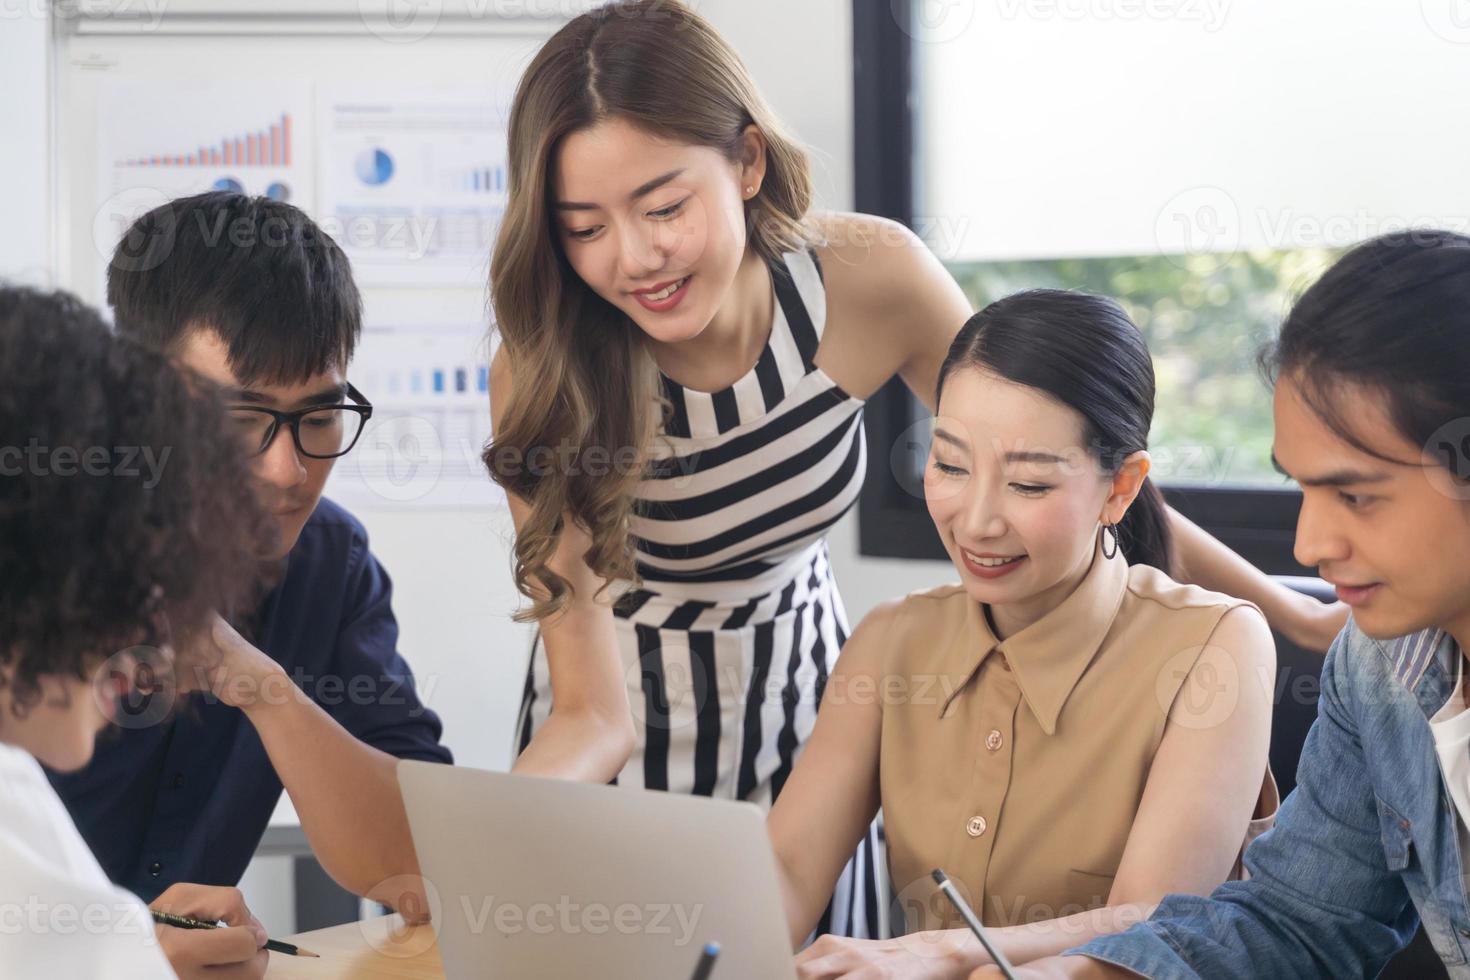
x=1205, y=321
x=1174, y=155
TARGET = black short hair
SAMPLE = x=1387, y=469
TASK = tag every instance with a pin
x=257, y=272
x=1393, y=315
x=104, y=550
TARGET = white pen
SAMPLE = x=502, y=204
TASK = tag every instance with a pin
x=968, y=914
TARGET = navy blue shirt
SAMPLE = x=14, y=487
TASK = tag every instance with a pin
x=190, y=798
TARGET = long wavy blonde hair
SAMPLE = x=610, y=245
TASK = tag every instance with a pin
x=586, y=388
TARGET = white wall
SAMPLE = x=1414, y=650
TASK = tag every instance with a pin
x=25, y=163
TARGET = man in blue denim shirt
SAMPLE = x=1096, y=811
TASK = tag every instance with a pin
x=311, y=695
x=1362, y=849
x=1372, y=413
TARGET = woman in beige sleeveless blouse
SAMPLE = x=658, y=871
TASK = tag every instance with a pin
x=1068, y=732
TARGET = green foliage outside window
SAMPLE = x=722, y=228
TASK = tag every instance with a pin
x=1206, y=317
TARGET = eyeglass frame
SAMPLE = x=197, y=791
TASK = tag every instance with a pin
x=363, y=408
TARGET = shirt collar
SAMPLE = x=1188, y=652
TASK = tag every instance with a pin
x=1050, y=656
x=1426, y=664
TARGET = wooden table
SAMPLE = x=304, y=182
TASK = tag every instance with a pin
x=374, y=949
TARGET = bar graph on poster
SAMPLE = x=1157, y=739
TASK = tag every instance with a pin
x=214, y=136
x=270, y=147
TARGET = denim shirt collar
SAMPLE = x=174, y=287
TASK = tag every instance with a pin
x=1425, y=664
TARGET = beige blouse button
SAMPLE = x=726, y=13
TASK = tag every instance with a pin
x=976, y=826
x=993, y=741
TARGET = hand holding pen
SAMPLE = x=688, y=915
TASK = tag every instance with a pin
x=194, y=952
x=184, y=922
x=971, y=920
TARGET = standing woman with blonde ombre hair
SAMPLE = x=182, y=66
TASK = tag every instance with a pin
x=677, y=407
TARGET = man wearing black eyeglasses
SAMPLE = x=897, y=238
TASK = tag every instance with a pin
x=324, y=428
x=252, y=296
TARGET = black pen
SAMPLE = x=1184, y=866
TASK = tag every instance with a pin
x=706, y=964
x=968, y=914
x=184, y=922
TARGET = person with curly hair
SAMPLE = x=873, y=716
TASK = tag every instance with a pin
x=111, y=465
x=310, y=693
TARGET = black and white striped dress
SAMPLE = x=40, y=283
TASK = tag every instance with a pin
x=729, y=642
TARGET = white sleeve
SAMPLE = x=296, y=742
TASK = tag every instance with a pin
x=56, y=924
x=59, y=915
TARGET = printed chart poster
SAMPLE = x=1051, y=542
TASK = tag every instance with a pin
x=413, y=182
x=429, y=385
x=251, y=137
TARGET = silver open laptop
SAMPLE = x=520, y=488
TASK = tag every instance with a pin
x=538, y=878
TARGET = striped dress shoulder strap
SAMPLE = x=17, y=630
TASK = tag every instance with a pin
x=802, y=298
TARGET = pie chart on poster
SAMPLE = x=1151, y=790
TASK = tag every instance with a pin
x=278, y=191
x=374, y=166
x=229, y=184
